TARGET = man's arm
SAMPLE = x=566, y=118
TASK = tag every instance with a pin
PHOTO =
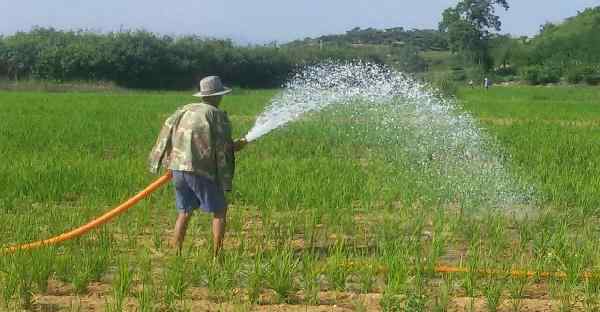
x=223, y=146
x=162, y=147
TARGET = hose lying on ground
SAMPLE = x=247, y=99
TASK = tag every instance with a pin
x=514, y=273
x=94, y=223
x=167, y=176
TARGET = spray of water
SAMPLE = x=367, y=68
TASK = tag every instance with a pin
x=386, y=108
x=319, y=86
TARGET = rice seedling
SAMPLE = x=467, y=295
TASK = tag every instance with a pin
x=146, y=296
x=42, y=268
x=562, y=291
x=80, y=279
x=222, y=277
x=98, y=257
x=443, y=295
x=416, y=294
x=367, y=272
x=201, y=262
x=75, y=305
x=157, y=240
x=255, y=277
x=337, y=269
x=10, y=285
x=498, y=240
x=437, y=246
x=63, y=267
x=492, y=290
x=122, y=283
x=391, y=302
x=591, y=300
x=394, y=256
x=80, y=275
x=359, y=305
x=311, y=231
x=24, y=275
x=280, y=275
x=516, y=290
x=470, y=281
x=175, y=282
x=311, y=279
x=131, y=234
x=526, y=233
x=438, y=241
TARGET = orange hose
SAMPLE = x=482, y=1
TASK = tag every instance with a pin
x=514, y=273
x=96, y=222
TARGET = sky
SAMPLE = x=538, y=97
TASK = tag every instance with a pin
x=263, y=21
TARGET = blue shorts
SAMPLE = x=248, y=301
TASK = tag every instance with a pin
x=194, y=191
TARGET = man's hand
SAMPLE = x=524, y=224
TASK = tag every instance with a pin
x=239, y=144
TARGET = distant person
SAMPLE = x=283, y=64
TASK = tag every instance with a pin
x=471, y=83
x=487, y=83
x=195, y=144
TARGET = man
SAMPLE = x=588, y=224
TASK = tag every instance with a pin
x=195, y=144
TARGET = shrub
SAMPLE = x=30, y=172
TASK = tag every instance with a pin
x=583, y=73
x=141, y=59
x=536, y=74
x=550, y=75
x=575, y=74
x=504, y=79
x=531, y=74
x=592, y=77
x=505, y=71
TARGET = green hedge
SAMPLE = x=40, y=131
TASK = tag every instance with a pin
x=583, y=74
x=140, y=59
x=537, y=74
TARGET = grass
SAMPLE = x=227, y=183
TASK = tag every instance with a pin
x=550, y=135
x=314, y=211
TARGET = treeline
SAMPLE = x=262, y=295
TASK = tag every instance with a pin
x=398, y=47
x=466, y=47
x=424, y=40
x=140, y=59
x=569, y=51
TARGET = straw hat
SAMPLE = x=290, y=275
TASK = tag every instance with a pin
x=212, y=86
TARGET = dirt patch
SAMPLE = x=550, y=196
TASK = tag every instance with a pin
x=524, y=305
x=329, y=301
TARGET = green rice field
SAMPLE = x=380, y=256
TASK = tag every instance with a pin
x=317, y=221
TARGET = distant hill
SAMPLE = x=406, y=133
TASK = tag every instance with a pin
x=574, y=41
x=424, y=40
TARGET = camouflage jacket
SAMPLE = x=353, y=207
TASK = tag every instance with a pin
x=196, y=138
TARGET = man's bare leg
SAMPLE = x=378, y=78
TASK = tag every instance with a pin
x=218, y=228
x=180, y=228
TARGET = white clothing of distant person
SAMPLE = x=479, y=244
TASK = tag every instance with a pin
x=486, y=83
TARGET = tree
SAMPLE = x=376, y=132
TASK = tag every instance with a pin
x=547, y=28
x=3, y=63
x=468, y=27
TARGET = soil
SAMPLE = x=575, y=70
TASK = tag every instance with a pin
x=60, y=297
